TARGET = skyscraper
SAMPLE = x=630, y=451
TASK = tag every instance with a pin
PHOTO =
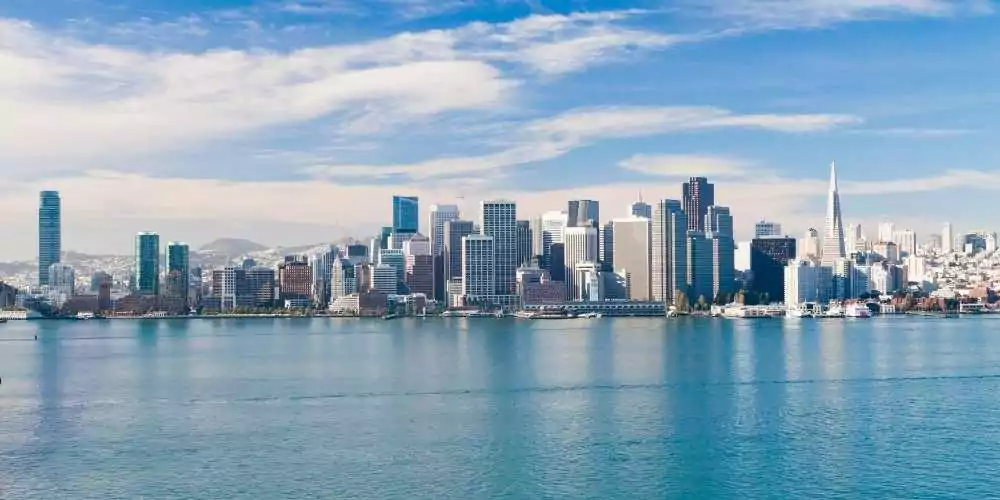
x=178, y=276
x=581, y=244
x=768, y=258
x=810, y=247
x=699, y=194
x=765, y=228
x=669, y=251
x=49, y=233
x=719, y=232
x=584, y=213
x=700, y=266
x=833, y=237
x=947, y=238
x=553, y=224
x=640, y=209
x=295, y=279
x=439, y=215
x=405, y=214
x=607, y=247
x=478, y=266
x=499, y=220
x=524, y=243
x=631, y=254
x=147, y=263
x=454, y=231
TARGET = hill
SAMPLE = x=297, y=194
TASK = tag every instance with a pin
x=232, y=247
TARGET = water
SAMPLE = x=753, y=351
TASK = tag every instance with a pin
x=626, y=408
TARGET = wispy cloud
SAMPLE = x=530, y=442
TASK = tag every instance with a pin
x=679, y=166
x=550, y=138
x=909, y=132
x=791, y=14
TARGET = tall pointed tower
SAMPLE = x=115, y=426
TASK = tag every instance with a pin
x=833, y=237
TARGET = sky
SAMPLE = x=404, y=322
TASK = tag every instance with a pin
x=294, y=121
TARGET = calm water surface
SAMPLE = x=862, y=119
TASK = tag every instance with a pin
x=626, y=408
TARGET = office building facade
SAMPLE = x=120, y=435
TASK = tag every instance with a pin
x=698, y=195
x=631, y=255
x=669, y=251
x=147, y=264
x=499, y=220
x=49, y=233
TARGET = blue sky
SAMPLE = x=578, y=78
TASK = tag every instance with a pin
x=294, y=121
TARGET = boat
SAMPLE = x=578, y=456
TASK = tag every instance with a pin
x=835, y=311
x=591, y=315
x=804, y=310
x=855, y=310
x=84, y=315
x=754, y=312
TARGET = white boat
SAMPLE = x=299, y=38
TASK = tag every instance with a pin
x=754, y=312
x=855, y=310
x=804, y=310
x=590, y=315
x=835, y=311
x=84, y=315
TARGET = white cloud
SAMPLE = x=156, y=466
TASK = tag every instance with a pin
x=789, y=14
x=909, y=132
x=687, y=165
x=550, y=138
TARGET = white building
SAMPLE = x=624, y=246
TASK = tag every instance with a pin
x=805, y=281
x=581, y=245
x=438, y=216
x=906, y=241
x=834, y=247
x=552, y=226
x=809, y=245
x=741, y=256
x=478, y=265
x=343, y=279
x=669, y=251
x=886, y=231
x=947, y=238
x=631, y=254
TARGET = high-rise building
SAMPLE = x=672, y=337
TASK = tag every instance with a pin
x=231, y=288
x=581, y=244
x=499, y=220
x=834, y=247
x=261, y=285
x=641, y=209
x=906, y=240
x=719, y=233
x=536, y=238
x=557, y=262
x=417, y=244
x=553, y=225
x=806, y=281
x=524, y=243
x=62, y=278
x=478, y=266
x=768, y=258
x=886, y=231
x=584, y=213
x=669, y=251
x=420, y=274
x=589, y=281
x=763, y=229
x=632, y=255
x=49, y=233
x=178, y=277
x=454, y=231
x=384, y=279
x=295, y=278
x=439, y=215
x=810, y=247
x=607, y=247
x=947, y=238
x=699, y=194
x=700, y=267
x=405, y=214
x=147, y=263
x=343, y=280
x=321, y=264
x=840, y=287
x=855, y=239
x=396, y=259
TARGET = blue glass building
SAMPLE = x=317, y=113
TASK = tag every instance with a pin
x=405, y=214
x=49, y=233
x=147, y=263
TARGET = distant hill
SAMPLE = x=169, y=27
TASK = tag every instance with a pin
x=232, y=247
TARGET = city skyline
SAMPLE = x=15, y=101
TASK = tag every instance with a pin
x=315, y=111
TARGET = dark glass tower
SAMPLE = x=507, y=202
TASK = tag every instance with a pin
x=699, y=194
x=768, y=258
x=583, y=213
x=49, y=233
x=147, y=264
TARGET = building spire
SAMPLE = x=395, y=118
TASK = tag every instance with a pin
x=833, y=176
